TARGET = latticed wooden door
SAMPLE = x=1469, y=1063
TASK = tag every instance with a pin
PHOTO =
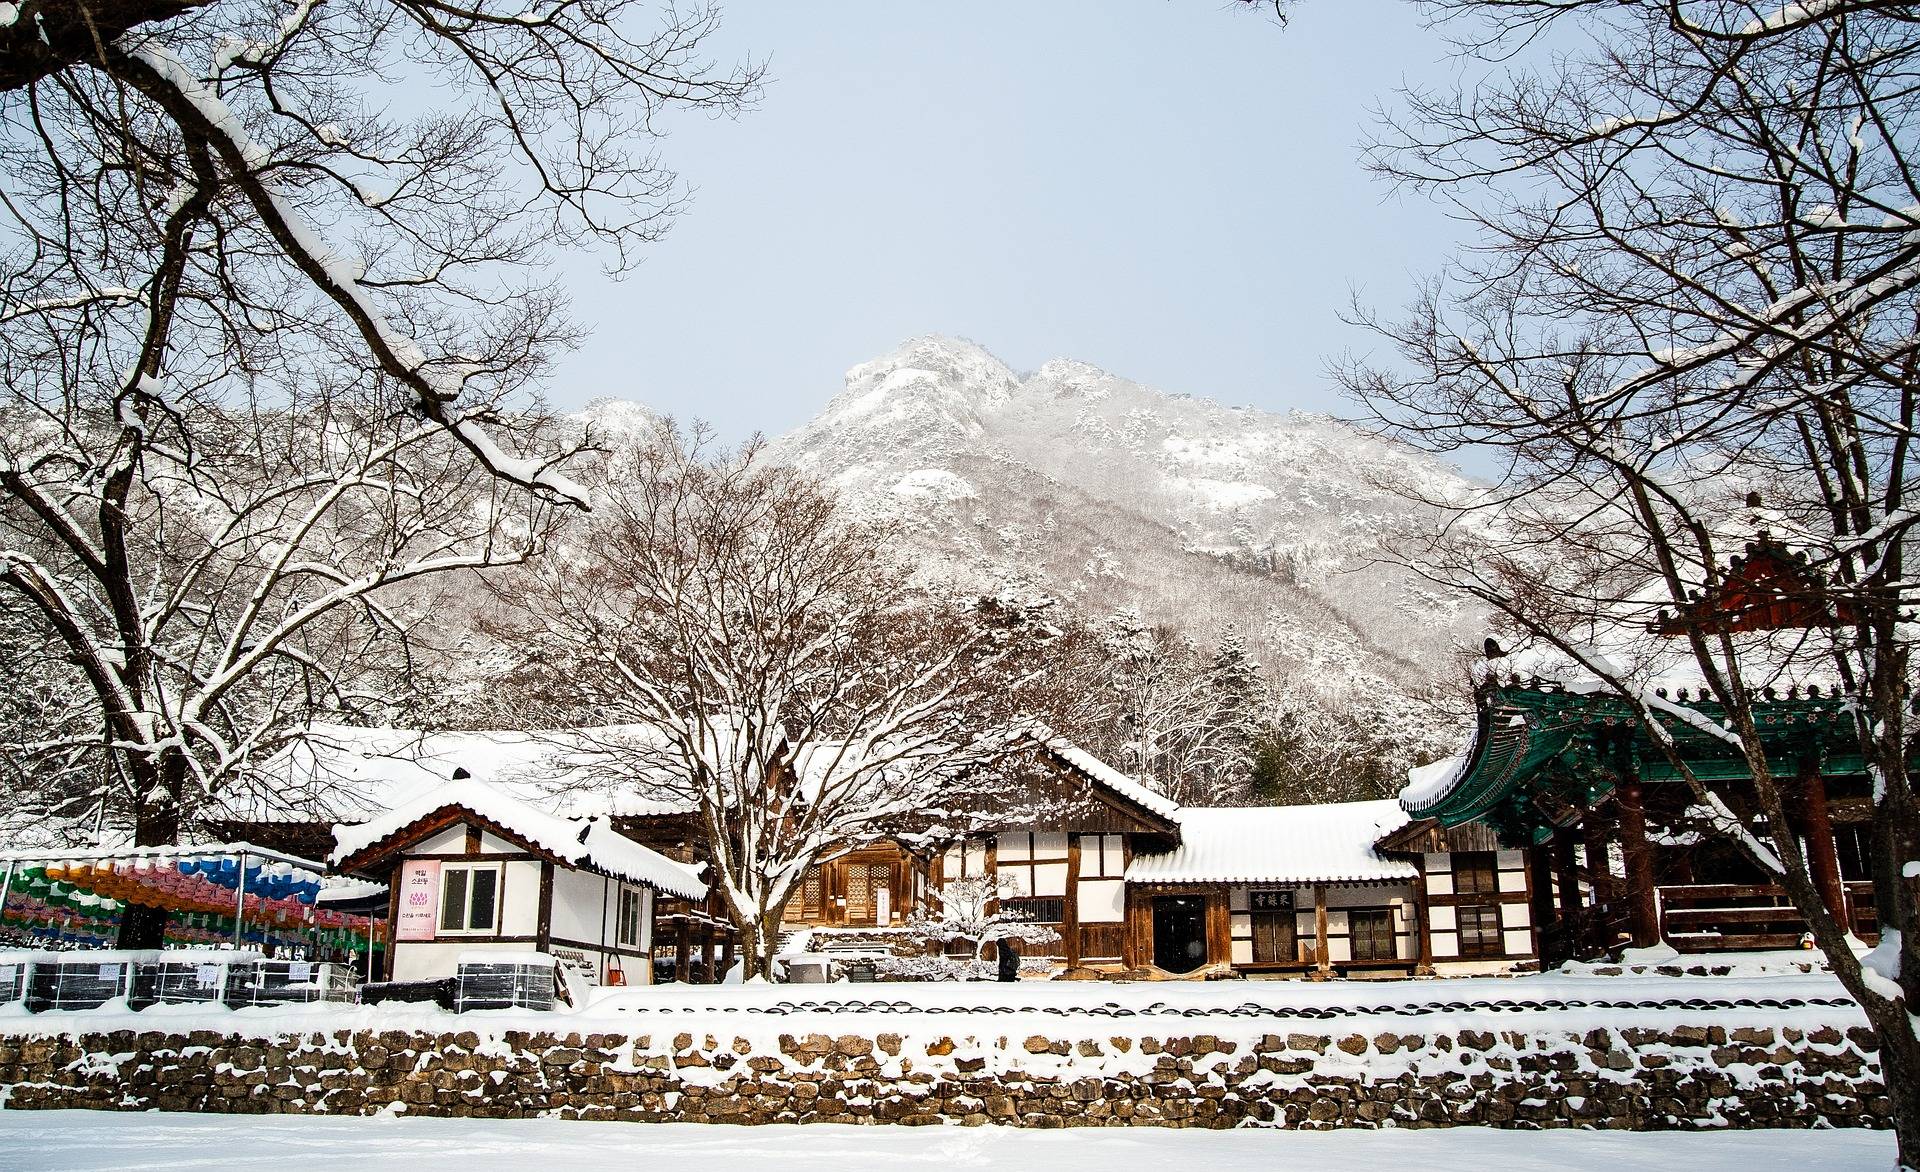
x=865, y=881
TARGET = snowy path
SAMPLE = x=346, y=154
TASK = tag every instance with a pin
x=60, y=1140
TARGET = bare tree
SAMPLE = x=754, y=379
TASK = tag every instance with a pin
x=262, y=267
x=794, y=685
x=1697, y=279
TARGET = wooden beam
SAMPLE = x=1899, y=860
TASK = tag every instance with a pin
x=1070, y=916
x=1540, y=894
x=1219, y=924
x=393, y=919
x=680, y=953
x=706, y=956
x=1423, y=956
x=1568, y=896
x=1594, y=827
x=1323, y=963
x=543, y=927
x=1643, y=913
x=1823, y=859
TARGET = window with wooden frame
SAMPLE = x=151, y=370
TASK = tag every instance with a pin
x=469, y=899
x=630, y=924
x=1273, y=926
x=1103, y=856
x=1370, y=933
x=1476, y=873
x=1033, y=864
x=1479, y=927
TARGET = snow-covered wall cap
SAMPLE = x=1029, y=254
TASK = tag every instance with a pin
x=1103, y=774
x=1330, y=843
x=591, y=843
x=1427, y=784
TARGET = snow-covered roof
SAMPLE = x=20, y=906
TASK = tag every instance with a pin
x=591, y=843
x=1105, y=775
x=1330, y=843
x=1427, y=784
x=339, y=773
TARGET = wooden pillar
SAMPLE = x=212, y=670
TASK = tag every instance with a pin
x=726, y=956
x=1423, y=956
x=1594, y=825
x=680, y=953
x=1540, y=892
x=1323, y=964
x=708, y=976
x=1070, y=914
x=393, y=919
x=1568, y=888
x=1823, y=859
x=1643, y=911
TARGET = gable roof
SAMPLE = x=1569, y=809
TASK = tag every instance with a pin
x=590, y=844
x=1332, y=843
x=339, y=773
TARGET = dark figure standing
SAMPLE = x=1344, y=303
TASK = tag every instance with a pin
x=1009, y=961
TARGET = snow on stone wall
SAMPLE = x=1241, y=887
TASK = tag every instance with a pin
x=1673, y=1069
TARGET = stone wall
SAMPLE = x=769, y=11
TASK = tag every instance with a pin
x=1719, y=1071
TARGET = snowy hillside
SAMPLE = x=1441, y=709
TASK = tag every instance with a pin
x=1112, y=494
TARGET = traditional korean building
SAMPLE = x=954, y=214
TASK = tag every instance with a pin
x=1616, y=852
x=1277, y=889
x=471, y=869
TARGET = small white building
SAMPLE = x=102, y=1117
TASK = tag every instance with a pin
x=1278, y=890
x=471, y=868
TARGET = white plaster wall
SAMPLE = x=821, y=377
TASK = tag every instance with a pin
x=1050, y=878
x=1103, y=901
x=1442, y=919
x=451, y=841
x=581, y=905
x=520, y=899
x=1445, y=943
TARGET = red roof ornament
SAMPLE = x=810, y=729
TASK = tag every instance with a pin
x=1770, y=588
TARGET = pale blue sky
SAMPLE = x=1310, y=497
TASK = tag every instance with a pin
x=1169, y=189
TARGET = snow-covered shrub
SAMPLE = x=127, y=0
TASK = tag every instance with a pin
x=960, y=915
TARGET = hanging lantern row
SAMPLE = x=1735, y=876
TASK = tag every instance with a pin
x=84, y=900
x=96, y=922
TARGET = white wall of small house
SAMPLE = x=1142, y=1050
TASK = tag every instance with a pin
x=1516, y=914
x=584, y=913
x=1398, y=899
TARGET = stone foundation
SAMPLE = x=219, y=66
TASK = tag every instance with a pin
x=1720, y=1073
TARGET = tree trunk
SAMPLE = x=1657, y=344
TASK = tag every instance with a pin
x=156, y=823
x=1900, y=1068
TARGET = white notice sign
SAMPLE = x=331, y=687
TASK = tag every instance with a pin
x=109, y=972
x=208, y=975
x=419, y=899
x=299, y=972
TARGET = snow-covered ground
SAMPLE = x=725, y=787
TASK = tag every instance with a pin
x=59, y=1140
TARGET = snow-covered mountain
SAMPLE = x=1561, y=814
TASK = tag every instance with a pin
x=1111, y=494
